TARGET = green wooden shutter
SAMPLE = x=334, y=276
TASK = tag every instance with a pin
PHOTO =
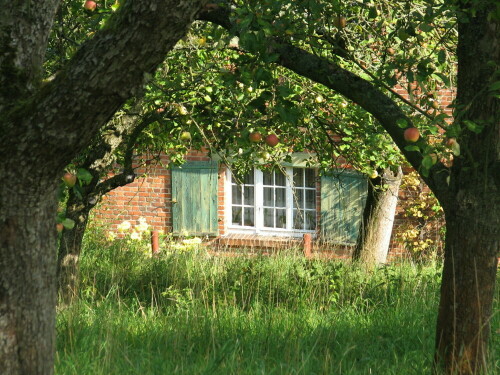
x=194, y=197
x=343, y=198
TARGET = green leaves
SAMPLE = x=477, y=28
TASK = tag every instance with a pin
x=84, y=175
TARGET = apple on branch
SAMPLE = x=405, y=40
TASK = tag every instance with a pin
x=272, y=140
x=411, y=135
x=255, y=137
x=69, y=179
x=90, y=5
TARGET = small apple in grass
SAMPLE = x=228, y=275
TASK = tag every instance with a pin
x=59, y=227
x=69, y=179
x=90, y=5
x=255, y=137
x=411, y=135
x=272, y=140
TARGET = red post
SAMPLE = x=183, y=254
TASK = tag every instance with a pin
x=155, y=247
x=307, y=245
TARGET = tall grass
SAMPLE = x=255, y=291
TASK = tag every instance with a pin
x=192, y=313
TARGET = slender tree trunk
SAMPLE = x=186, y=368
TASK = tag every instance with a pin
x=378, y=218
x=27, y=276
x=69, y=250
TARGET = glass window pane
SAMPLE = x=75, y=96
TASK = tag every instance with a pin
x=298, y=198
x=310, y=198
x=310, y=223
x=249, y=195
x=269, y=217
x=268, y=178
x=279, y=178
x=236, y=216
x=249, y=217
x=310, y=178
x=298, y=177
x=236, y=194
x=248, y=179
x=298, y=222
x=280, y=197
x=280, y=218
x=268, y=197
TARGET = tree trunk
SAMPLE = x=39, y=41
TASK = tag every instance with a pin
x=472, y=204
x=70, y=247
x=27, y=276
x=467, y=291
x=378, y=219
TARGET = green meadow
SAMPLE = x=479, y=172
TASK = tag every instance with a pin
x=190, y=312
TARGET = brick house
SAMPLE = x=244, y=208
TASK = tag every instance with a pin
x=263, y=209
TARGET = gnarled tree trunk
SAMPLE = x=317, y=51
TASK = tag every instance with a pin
x=42, y=128
x=27, y=274
x=374, y=237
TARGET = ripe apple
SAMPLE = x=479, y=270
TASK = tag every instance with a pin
x=411, y=135
x=59, y=227
x=90, y=5
x=340, y=22
x=69, y=179
x=255, y=137
x=272, y=140
x=450, y=142
x=185, y=136
x=390, y=51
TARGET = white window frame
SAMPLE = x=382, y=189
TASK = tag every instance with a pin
x=259, y=228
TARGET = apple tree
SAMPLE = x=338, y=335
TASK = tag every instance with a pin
x=363, y=50
x=44, y=124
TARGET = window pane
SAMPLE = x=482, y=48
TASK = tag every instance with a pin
x=269, y=197
x=236, y=194
x=268, y=178
x=298, y=198
x=280, y=197
x=310, y=178
x=269, y=217
x=279, y=178
x=298, y=222
x=236, y=217
x=249, y=195
x=310, y=198
x=249, y=217
x=248, y=179
x=298, y=177
x=310, y=220
x=280, y=218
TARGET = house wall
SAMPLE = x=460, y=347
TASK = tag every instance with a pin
x=150, y=197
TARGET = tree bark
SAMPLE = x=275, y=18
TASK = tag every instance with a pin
x=42, y=128
x=472, y=204
x=467, y=290
x=69, y=251
x=374, y=237
x=27, y=276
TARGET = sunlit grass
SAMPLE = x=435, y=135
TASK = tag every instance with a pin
x=198, y=314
